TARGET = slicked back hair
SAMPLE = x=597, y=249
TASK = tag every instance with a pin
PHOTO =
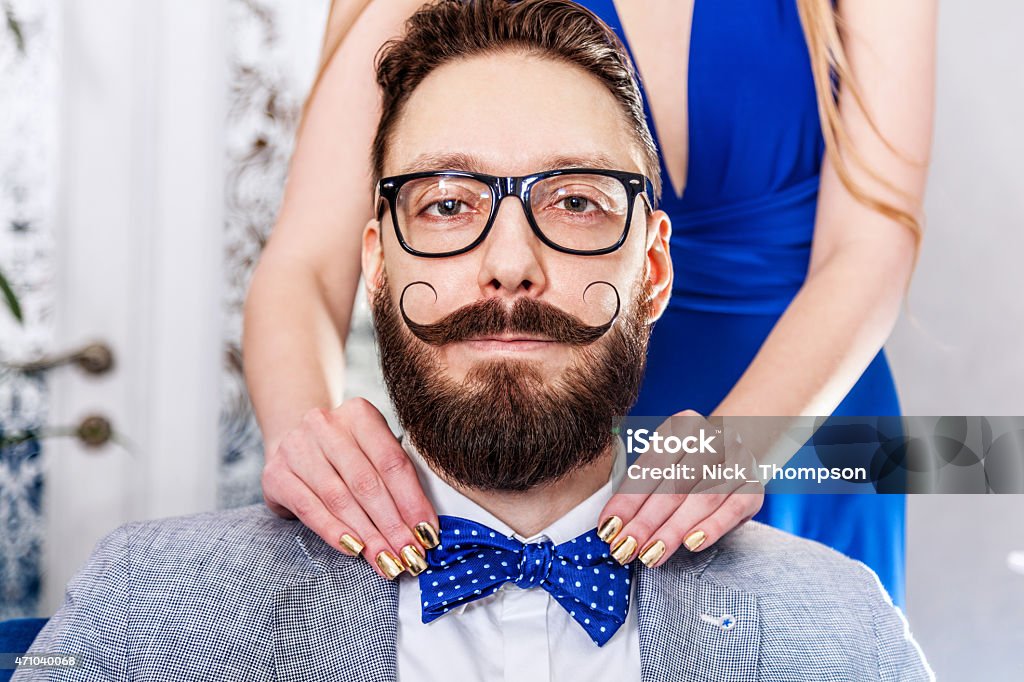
x=448, y=30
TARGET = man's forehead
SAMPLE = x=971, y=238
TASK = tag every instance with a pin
x=510, y=114
x=477, y=163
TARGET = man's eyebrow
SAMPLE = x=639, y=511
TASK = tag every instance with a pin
x=436, y=161
x=590, y=160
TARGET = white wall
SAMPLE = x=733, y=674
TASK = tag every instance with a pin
x=966, y=357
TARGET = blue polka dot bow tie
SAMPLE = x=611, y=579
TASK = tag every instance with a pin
x=474, y=561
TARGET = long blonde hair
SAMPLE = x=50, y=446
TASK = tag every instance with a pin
x=831, y=70
x=829, y=67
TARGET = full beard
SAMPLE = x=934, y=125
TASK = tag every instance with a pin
x=505, y=426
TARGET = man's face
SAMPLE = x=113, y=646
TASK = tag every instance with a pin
x=514, y=115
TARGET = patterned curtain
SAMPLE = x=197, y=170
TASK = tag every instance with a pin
x=29, y=106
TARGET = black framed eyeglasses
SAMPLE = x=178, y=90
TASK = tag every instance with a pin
x=580, y=211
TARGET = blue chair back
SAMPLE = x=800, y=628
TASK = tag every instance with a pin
x=16, y=636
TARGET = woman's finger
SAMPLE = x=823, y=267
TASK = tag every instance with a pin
x=315, y=472
x=642, y=505
x=374, y=437
x=678, y=529
x=620, y=509
x=352, y=488
x=655, y=509
x=367, y=486
x=632, y=495
x=636, y=533
x=738, y=508
x=310, y=510
x=688, y=528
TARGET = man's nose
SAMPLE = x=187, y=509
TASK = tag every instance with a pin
x=511, y=258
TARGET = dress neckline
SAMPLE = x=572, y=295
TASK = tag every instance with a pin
x=620, y=30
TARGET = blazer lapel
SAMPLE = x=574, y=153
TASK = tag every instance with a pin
x=692, y=629
x=337, y=622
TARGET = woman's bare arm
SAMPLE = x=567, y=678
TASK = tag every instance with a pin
x=302, y=291
x=298, y=310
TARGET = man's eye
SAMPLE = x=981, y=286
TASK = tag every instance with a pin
x=575, y=203
x=445, y=207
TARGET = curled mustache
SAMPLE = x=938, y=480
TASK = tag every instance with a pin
x=526, y=316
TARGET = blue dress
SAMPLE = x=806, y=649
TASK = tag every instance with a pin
x=741, y=240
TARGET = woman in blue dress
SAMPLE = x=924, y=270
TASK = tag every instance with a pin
x=793, y=242
x=744, y=231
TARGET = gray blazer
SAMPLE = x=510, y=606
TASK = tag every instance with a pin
x=245, y=595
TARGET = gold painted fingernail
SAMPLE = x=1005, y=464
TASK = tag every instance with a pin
x=624, y=549
x=609, y=528
x=351, y=544
x=389, y=564
x=652, y=553
x=414, y=559
x=695, y=539
x=426, y=534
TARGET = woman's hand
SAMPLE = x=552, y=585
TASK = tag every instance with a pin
x=650, y=519
x=343, y=473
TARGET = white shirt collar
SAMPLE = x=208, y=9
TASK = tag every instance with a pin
x=580, y=519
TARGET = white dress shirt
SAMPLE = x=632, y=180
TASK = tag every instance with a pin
x=515, y=633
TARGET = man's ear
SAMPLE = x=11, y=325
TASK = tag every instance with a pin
x=659, y=262
x=373, y=256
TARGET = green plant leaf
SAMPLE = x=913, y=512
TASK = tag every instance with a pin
x=10, y=299
x=15, y=28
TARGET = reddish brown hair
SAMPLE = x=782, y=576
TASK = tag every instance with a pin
x=449, y=30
